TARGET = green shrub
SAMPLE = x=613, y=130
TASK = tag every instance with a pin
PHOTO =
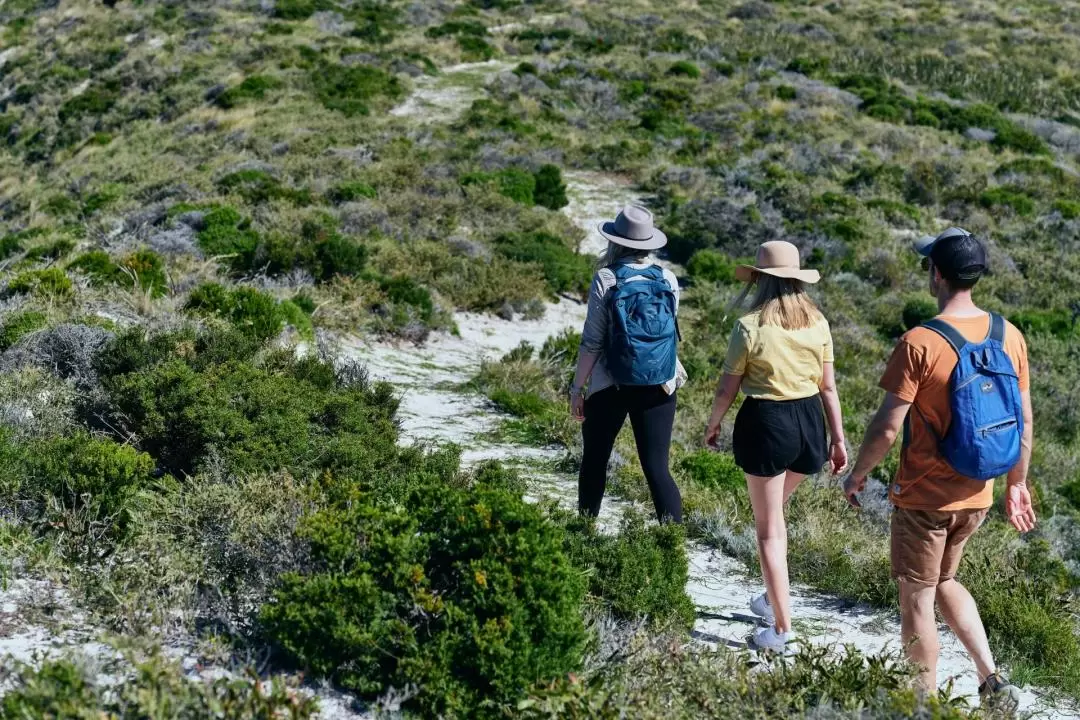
x=143, y=268
x=300, y=9
x=319, y=249
x=640, y=572
x=786, y=93
x=713, y=470
x=457, y=27
x=1069, y=209
x=711, y=266
x=258, y=186
x=350, y=191
x=1054, y=321
x=684, y=68
x=11, y=244
x=515, y=184
x=1071, y=492
x=155, y=688
x=403, y=290
x=465, y=594
x=228, y=235
x=475, y=48
x=563, y=269
x=95, y=101
x=249, y=310
x=1010, y=197
x=351, y=90
x=254, y=87
x=18, y=325
x=51, y=251
x=50, y=283
x=550, y=189
x=189, y=398
x=81, y=488
x=918, y=310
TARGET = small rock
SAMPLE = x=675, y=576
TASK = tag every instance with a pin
x=506, y=312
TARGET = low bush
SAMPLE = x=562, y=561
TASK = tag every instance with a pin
x=1004, y=196
x=684, y=68
x=319, y=249
x=50, y=284
x=352, y=90
x=249, y=310
x=550, y=191
x=465, y=595
x=1071, y=492
x=918, y=310
x=640, y=572
x=711, y=266
x=300, y=9
x=226, y=234
x=254, y=87
x=1056, y=321
x=564, y=269
x=143, y=268
x=192, y=398
x=51, y=251
x=80, y=489
x=713, y=470
x=350, y=191
x=152, y=688
x=259, y=186
x=402, y=290
x=518, y=185
x=18, y=325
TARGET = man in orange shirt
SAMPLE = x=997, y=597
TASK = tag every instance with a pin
x=936, y=508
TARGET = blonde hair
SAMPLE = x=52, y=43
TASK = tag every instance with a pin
x=615, y=253
x=780, y=301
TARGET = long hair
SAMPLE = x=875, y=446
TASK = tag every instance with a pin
x=780, y=301
x=615, y=253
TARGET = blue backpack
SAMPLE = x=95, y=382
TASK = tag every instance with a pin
x=983, y=440
x=642, y=333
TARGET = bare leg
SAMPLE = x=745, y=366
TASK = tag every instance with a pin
x=962, y=614
x=767, y=499
x=792, y=480
x=918, y=629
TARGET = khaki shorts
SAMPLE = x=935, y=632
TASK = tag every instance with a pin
x=927, y=544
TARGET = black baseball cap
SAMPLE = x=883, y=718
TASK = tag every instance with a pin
x=956, y=253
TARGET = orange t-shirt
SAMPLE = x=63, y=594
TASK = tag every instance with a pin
x=919, y=372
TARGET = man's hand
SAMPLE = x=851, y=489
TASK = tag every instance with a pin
x=853, y=485
x=1018, y=508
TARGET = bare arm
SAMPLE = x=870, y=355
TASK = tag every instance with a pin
x=585, y=363
x=879, y=439
x=726, y=392
x=830, y=398
x=1018, y=498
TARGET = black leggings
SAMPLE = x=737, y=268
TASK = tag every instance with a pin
x=652, y=414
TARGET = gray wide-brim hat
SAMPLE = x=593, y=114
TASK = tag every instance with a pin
x=633, y=228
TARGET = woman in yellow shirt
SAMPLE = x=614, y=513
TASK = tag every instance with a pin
x=781, y=355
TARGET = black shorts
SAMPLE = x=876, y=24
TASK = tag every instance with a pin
x=772, y=436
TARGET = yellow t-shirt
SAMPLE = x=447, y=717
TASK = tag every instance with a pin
x=778, y=364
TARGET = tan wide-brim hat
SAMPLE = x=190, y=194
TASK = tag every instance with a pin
x=779, y=259
x=633, y=228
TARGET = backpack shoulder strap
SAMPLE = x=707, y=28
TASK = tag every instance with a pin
x=997, y=328
x=622, y=271
x=952, y=335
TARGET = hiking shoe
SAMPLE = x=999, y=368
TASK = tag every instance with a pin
x=760, y=606
x=769, y=640
x=1000, y=696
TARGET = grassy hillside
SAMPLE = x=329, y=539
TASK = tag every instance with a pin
x=186, y=188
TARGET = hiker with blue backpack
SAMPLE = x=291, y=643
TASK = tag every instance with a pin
x=957, y=392
x=627, y=364
x=781, y=357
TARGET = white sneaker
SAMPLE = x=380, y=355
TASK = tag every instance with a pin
x=772, y=641
x=760, y=606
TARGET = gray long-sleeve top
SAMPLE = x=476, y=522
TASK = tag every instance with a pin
x=596, y=326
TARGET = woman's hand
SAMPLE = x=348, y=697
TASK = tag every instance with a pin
x=712, y=434
x=838, y=457
x=577, y=405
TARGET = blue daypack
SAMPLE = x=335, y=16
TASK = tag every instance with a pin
x=983, y=439
x=642, y=333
